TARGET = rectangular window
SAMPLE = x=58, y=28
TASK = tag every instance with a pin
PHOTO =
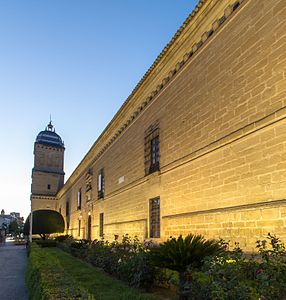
x=100, y=184
x=79, y=199
x=101, y=222
x=152, y=149
x=155, y=217
x=67, y=208
x=79, y=227
x=154, y=166
x=49, y=186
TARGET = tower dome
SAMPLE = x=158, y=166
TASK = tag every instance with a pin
x=49, y=137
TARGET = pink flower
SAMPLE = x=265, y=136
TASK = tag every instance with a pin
x=259, y=271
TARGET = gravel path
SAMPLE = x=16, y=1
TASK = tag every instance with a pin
x=13, y=261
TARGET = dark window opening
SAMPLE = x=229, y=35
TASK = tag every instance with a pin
x=49, y=186
x=101, y=221
x=155, y=218
x=79, y=227
x=79, y=199
x=67, y=208
x=100, y=184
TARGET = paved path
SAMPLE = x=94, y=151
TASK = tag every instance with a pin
x=13, y=261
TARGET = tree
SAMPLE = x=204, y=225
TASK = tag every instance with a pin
x=184, y=254
x=45, y=222
x=14, y=228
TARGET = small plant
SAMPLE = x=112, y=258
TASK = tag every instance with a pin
x=182, y=254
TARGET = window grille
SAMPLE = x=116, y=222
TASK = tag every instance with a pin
x=79, y=227
x=154, y=217
x=152, y=149
x=101, y=222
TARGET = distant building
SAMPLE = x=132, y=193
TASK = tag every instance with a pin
x=199, y=145
x=5, y=219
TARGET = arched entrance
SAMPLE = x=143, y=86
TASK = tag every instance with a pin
x=89, y=228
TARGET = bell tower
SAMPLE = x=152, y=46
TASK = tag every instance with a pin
x=48, y=171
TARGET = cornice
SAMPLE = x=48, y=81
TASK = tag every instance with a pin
x=94, y=154
x=42, y=197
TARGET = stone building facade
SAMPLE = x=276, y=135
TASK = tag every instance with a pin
x=200, y=144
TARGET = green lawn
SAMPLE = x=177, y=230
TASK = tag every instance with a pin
x=95, y=281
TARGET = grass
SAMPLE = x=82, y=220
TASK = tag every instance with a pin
x=94, y=281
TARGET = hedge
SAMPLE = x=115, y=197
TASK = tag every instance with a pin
x=46, y=278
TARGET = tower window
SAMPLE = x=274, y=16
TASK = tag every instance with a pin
x=79, y=199
x=154, y=217
x=101, y=222
x=100, y=184
x=49, y=186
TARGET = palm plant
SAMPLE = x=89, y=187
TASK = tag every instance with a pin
x=180, y=254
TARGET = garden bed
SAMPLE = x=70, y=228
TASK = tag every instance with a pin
x=54, y=274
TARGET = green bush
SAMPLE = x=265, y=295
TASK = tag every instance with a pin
x=46, y=243
x=235, y=276
x=180, y=253
x=45, y=222
x=61, y=238
x=46, y=278
x=128, y=260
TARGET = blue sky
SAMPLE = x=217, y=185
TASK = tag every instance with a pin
x=79, y=61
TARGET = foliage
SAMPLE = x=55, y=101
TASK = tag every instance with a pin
x=47, y=279
x=181, y=254
x=235, y=276
x=77, y=280
x=14, y=228
x=61, y=238
x=45, y=222
x=128, y=260
x=46, y=243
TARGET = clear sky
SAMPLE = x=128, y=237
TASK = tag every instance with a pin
x=77, y=60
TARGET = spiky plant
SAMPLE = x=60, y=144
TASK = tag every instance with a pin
x=180, y=254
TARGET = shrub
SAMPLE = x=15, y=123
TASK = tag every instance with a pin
x=180, y=253
x=233, y=276
x=128, y=260
x=62, y=238
x=45, y=222
x=46, y=243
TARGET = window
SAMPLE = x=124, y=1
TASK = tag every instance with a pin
x=154, y=217
x=79, y=199
x=100, y=184
x=49, y=186
x=154, y=166
x=79, y=227
x=101, y=221
x=152, y=149
x=67, y=208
